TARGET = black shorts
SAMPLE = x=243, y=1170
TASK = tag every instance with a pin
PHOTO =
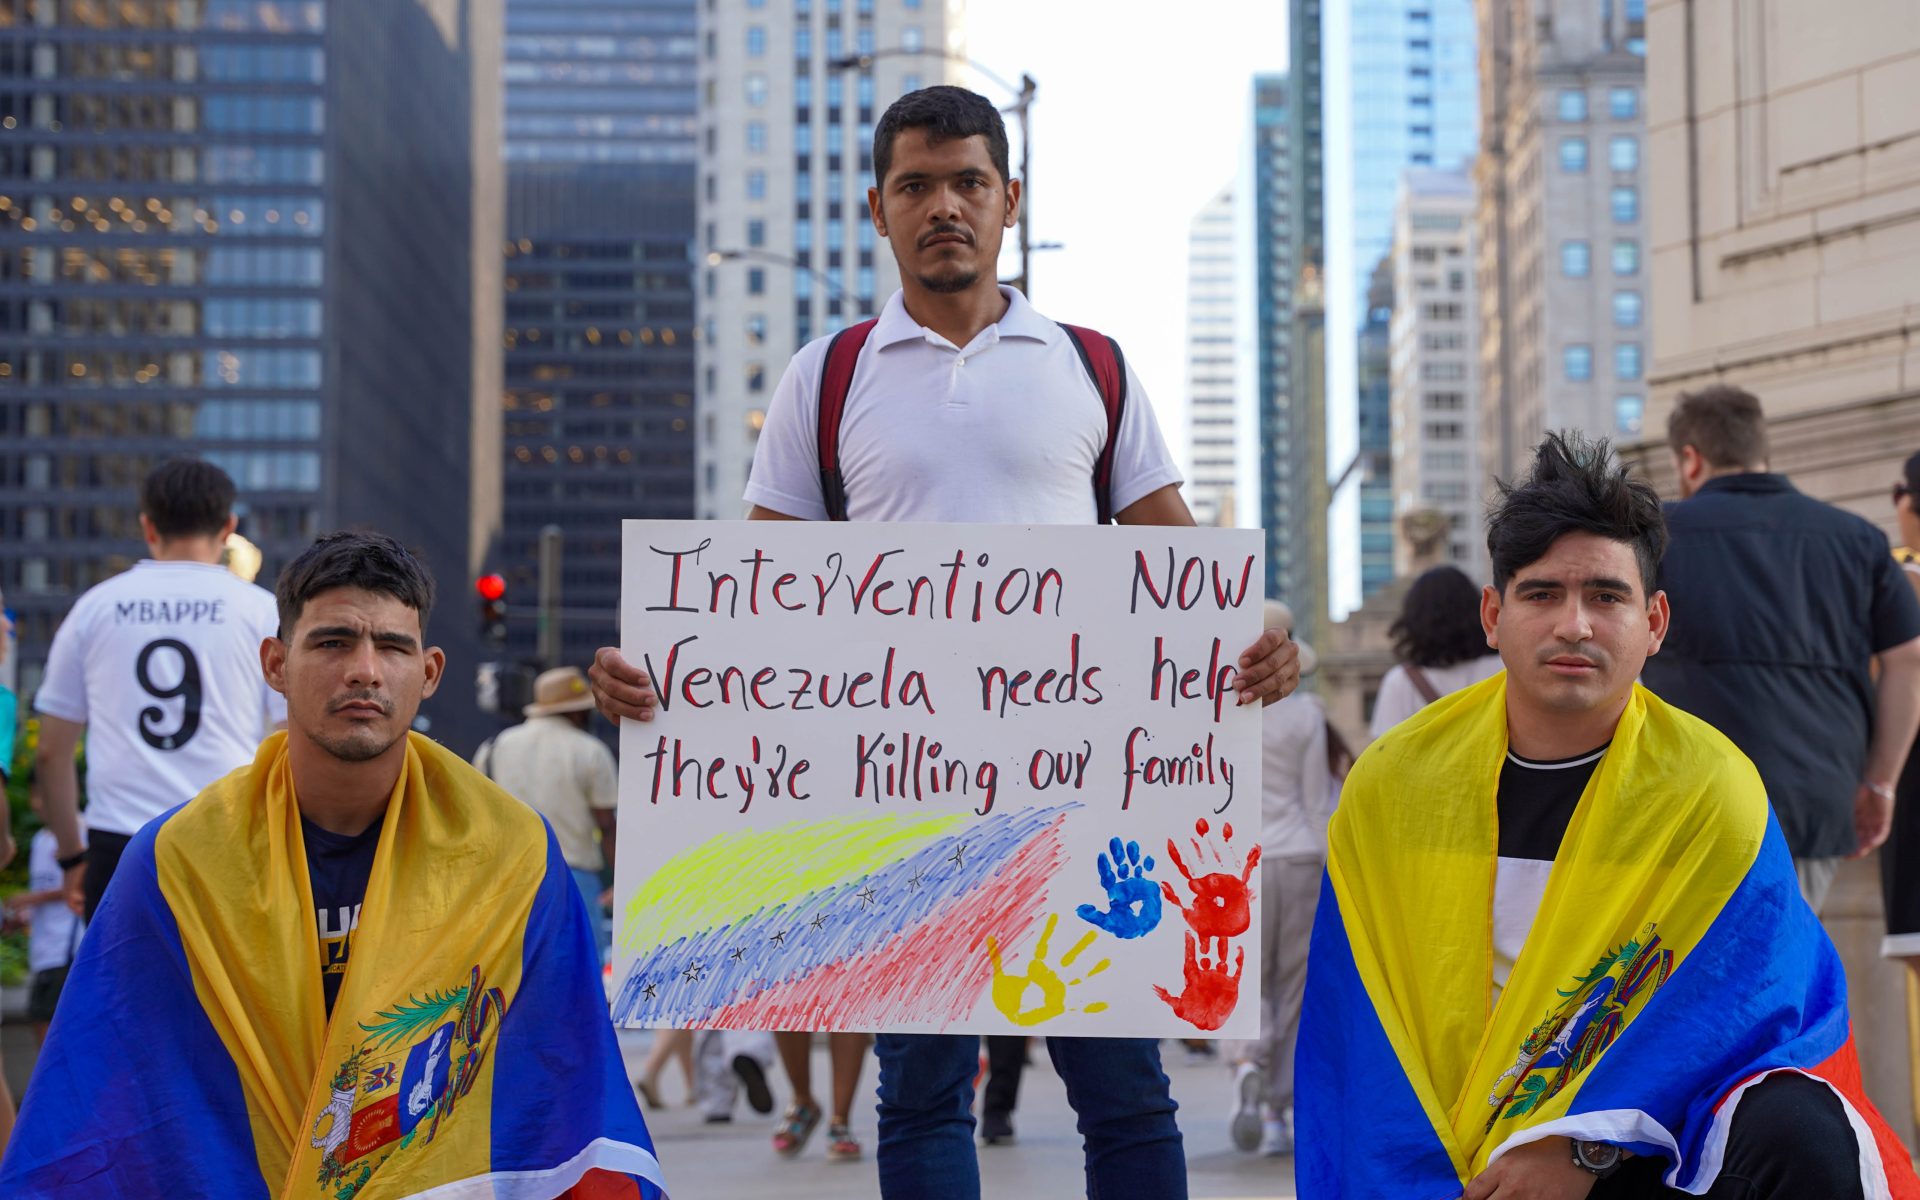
x=103, y=859
x=45, y=993
x=1900, y=856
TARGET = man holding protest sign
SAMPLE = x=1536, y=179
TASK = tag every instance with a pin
x=963, y=404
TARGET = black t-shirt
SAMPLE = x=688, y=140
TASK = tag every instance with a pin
x=338, y=868
x=1536, y=804
x=1537, y=799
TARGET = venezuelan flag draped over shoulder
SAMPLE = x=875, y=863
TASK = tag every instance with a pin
x=1672, y=964
x=469, y=1052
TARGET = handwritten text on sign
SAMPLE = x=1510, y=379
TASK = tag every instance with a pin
x=940, y=777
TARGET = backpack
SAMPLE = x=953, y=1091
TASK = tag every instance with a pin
x=1099, y=354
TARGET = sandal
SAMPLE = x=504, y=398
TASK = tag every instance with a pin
x=842, y=1146
x=796, y=1126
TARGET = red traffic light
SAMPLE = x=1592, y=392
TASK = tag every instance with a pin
x=491, y=587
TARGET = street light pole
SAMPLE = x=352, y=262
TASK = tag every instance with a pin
x=716, y=257
x=1023, y=101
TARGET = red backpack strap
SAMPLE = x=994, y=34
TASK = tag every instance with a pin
x=836, y=380
x=1105, y=365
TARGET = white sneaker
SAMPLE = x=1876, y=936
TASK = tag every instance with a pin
x=1249, y=1085
x=1276, y=1139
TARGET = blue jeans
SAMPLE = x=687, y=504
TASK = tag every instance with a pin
x=589, y=884
x=925, y=1149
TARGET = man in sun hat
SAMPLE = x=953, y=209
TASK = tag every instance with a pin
x=564, y=773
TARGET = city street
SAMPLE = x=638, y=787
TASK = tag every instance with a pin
x=734, y=1161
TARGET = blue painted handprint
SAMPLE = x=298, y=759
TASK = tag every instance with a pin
x=1133, y=900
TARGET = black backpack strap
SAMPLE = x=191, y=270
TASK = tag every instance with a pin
x=1107, y=367
x=836, y=380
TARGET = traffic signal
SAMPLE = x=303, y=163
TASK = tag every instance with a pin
x=493, y=608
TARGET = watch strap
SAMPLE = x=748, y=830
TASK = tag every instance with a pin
x=72, y=860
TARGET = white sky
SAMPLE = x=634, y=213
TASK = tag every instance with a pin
x=1138, y=120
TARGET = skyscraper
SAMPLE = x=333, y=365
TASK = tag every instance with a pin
x=1435, y=430
x=601, y=132
x=1403, y=95
x=1210, y=362
x=265, y=232
x=785, y=160
x=1560, y=224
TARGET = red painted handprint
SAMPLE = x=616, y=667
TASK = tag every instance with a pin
x=1221, y=901
x=1210, y=993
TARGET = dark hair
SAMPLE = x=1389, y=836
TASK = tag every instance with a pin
x=1724, y=423
x=1575, y=487
x=187, y=497
x=945, y=112
x=1911, y=473
x=372, y=562
x=1439, y=622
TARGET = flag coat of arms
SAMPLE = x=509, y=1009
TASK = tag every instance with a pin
x=468, y=1054
x=1671, y=966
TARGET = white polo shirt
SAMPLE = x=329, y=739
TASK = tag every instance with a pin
x=161, y=663
x=1005, y=430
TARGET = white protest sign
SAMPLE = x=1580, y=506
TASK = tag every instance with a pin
x=964, y=778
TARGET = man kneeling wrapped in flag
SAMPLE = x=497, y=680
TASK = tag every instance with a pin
x=1561, y=950
x=354, y=970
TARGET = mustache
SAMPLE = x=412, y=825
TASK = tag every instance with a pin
x=959, y=231
x=1592, y=658
x=361, y=697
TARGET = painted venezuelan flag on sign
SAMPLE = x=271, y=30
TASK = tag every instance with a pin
x=1672, y=965
x=860, y=921
x=468, y=1052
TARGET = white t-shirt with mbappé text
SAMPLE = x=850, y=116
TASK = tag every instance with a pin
x=162, y=665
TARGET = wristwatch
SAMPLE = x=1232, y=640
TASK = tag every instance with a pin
x=1599, y=1159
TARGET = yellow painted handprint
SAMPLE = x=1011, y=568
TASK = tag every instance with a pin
x=1010, y=990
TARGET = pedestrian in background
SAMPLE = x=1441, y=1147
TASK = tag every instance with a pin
x=1900, y=857
x=1296, y=790
x=1781, y=604
x=160, y=665
x=550, y=763
x=53, y=928
x=1440, y=645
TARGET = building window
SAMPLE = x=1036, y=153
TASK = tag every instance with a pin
x=1576, y=259
x=756, y=233
x=756, y=377
x=1578, y=363
x=863, y=283
x=1626, y=205
x=1623, y=103
x=863, y=40
x=803, y=236
x=1626, y=256
x=802, y=91
x=1628, y=413
x=1626, y=310
x=803, y=41
x=1626, y=361
x=803, y=139
x=757, y=330
x=1573, y=104
x=803, y=186
x=863, y=90
x=757, y=136
x=756, y=89
x=802, y=284
x=865, y=236
x=911, y=39
x=836, y=47
x=910, y=83
x=756, y=185
x=836, y=237
x=1573, y=154
x=756, y=281
x=1623, y=153
x=756, y=41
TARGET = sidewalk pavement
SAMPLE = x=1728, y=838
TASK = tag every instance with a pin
x=736, y=1162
